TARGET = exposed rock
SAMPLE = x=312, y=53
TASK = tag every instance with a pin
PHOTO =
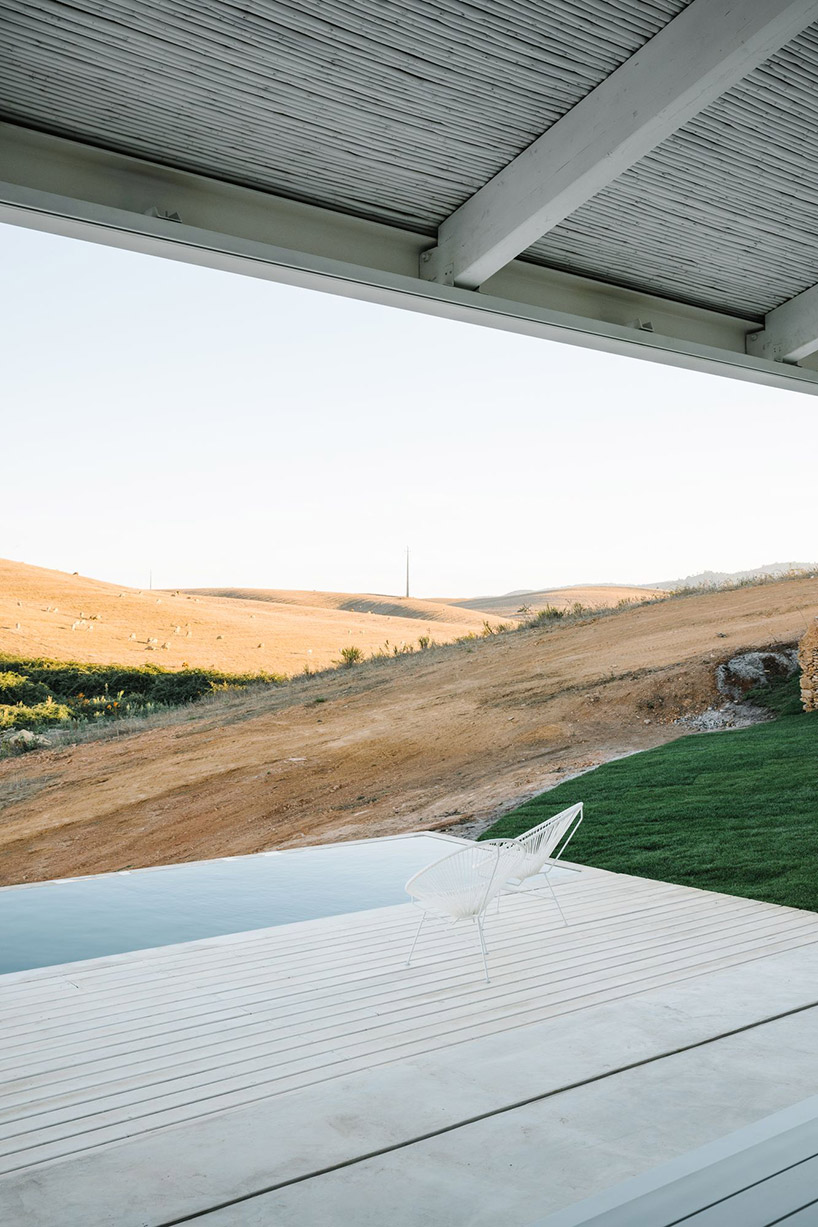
x=730, y=716
x=742, y=673
x=21, y=740
x=734, y=679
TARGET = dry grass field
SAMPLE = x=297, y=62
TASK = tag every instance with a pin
x=420, y=741
x=70, y=617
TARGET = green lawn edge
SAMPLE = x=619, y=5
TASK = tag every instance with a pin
x=733, y=811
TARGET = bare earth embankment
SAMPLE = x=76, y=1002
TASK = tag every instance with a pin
x=70, y=617
x=415, y=742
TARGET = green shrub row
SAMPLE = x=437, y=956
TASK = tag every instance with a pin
x=38, y=715
x=34, y=693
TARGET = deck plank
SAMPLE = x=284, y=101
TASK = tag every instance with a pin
x=328, y=1036
x=99, y=1054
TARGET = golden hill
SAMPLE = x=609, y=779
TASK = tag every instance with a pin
x=352, y=602
x=591, y=596
x=415, y=742
x=70, y=617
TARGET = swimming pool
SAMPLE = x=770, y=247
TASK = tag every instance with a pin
x=45, y=923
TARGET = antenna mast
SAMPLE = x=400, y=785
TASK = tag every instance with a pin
x=407, y=572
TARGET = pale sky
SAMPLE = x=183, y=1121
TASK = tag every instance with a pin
x=218, y=430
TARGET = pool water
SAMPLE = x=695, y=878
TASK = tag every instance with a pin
x=45, y=923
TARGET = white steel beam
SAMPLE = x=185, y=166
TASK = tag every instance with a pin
x=91, y=176
x=84, y=192
x=699, y=55
x=790, y=331
x=159, y=236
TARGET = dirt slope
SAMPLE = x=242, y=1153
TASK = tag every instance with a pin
x=409, y=743
x=71, y=617
x=592, y=596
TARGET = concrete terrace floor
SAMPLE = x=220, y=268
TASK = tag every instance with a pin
x=303, y=1075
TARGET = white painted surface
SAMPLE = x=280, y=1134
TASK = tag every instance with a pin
x=362, y=127
x=725, y=211
x=394, y=110
x=790, y=332
x=155, y=236
x=699, y=55
x=91, y=177
x=215, y=1070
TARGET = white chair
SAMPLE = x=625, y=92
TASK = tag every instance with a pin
x=540, y=847
x=463, y=884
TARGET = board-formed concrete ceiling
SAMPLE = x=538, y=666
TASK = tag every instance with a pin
x=638, y=175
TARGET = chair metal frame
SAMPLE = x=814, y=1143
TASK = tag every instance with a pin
x=540, y=847
x=460, y=886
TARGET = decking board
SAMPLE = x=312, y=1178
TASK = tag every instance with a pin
x=144, y=1044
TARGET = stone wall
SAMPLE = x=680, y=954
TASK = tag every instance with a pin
x=808, y=659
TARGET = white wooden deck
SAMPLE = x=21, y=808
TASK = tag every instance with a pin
x=211, y=1077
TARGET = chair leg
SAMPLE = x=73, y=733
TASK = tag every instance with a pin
x=556, y=900
x=483, y=948
x=417, y=935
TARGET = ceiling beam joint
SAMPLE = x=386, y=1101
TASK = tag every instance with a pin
x=696, y=57
x=790, y=331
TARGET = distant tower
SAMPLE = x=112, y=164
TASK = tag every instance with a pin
x=407, y=572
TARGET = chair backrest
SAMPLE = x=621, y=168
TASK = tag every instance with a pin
x=464, y=882
x=549, y=839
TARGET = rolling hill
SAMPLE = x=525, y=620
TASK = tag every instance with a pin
x=71, y=617
x=351, y=602
x=591, y=596
x=463, y=732
x=714, y=579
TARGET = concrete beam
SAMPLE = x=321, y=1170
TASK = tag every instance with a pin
x=699, y=55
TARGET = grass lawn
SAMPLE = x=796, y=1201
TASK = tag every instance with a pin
x=735, y=812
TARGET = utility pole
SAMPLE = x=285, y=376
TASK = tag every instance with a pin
x=407, y=572
x=150, y=579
